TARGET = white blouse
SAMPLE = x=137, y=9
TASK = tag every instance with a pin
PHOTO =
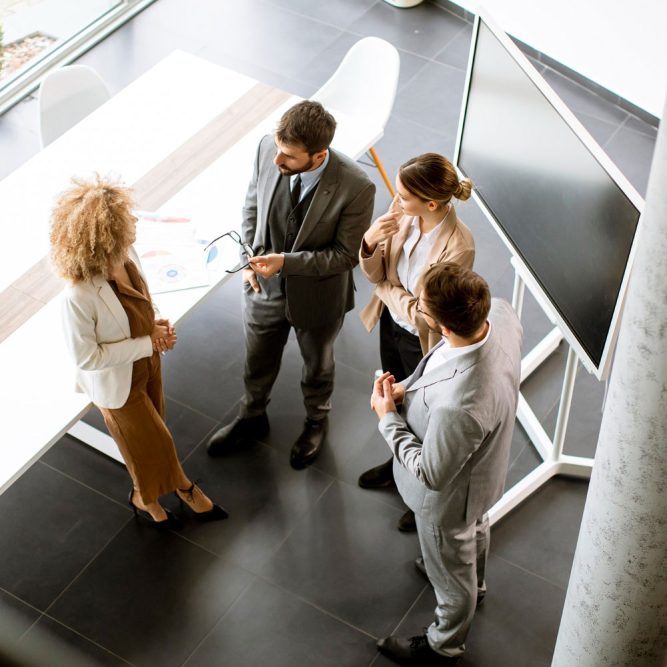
x=412, y=261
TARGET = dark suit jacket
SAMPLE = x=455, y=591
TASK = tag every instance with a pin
x=319, y=287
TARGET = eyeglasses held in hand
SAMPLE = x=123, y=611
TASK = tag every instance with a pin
x=246, y=248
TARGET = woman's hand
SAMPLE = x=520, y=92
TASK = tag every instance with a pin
x=384, y=227
x=166, y=323
x=169, y=342
x=163, y=336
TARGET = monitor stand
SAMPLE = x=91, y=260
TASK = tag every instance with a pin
x=554, y=461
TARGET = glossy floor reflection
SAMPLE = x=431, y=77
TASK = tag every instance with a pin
x=309, y=569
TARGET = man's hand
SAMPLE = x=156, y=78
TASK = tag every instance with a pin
x=248, y=276
x=386, y=394
x=267, y=265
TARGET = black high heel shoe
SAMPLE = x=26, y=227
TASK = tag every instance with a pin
x=216, y=513
x=171, y=522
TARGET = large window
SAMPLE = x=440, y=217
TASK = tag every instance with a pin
x=40, y=34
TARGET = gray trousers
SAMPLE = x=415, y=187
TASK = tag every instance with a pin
x=266, y=330
x=455, y=560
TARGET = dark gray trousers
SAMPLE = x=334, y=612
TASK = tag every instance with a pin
x=266, y=329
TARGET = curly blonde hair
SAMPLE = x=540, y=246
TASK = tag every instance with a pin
x=92, y=227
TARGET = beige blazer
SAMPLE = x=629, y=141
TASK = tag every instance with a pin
x=453, y=243
x=97, y=335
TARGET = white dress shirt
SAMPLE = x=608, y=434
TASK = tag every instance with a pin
x=414, y=254
x=309, y=179
x=446, y=352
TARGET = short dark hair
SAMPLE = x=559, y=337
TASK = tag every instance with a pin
x=457, y=298
x=307, y=123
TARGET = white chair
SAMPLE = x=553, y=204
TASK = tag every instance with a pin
x=364, y=87
x=67, y=95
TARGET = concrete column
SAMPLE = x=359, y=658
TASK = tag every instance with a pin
x=616, y=606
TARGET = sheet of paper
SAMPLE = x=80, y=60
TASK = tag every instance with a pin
x=171, y=255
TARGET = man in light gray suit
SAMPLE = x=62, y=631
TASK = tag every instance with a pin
x=451, y=448
x=306, y=211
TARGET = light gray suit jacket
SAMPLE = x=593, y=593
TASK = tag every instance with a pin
x=456, y=428
x=319, y=287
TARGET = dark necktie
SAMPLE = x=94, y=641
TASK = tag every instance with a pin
x=296, y=191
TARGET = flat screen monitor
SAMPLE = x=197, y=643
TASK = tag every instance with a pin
x=556, y=199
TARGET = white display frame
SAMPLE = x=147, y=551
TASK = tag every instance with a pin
x=599, y=370
x=554, y=461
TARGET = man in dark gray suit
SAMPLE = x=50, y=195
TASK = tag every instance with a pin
x=451, y=448
x=307, y=207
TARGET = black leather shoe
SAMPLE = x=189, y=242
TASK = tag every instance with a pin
x=413, y=651
x=421, y=568
x=407, y=524
x=308, y=444
x=241, y=430
x=380, y=477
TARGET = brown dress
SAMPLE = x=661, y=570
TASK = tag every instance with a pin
x=138, y=427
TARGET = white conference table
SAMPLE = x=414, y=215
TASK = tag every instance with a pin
x=148, y=130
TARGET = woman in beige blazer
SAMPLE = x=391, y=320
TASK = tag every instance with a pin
x=115, y=340
x=421, y=228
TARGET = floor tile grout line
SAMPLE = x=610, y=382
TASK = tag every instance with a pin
x=446, y=46
x=410, y=608
x=190, y=407
x=378, y=496
x=20, y=599
x=27, y=604
x=530, y=572
x=588, y=91
x=217, y=424
x=449, y=11
x=280, y=586
x=297, y=596
x=267, y=580
x=518, y=456
x=422, y=126
x=31, y=626
x=314, y=19
x=279, y=545
x=219, y=620
x=429, y=59
x=205, y=439
x=231, y=561
x=123, y=505
x=97, y=554
x=296, y=523
x=88, y=639
x=314, y=605
x=616, y=131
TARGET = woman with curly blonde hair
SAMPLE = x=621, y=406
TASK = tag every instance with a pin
x=115, y=340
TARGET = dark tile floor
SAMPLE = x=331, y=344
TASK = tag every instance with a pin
x=309, y=569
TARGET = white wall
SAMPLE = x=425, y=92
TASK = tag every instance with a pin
x=619, y=44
